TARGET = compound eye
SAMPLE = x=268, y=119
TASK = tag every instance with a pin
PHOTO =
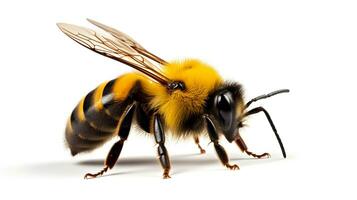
x=224, y=104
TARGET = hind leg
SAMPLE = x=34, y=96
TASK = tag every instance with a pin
x=123, y=133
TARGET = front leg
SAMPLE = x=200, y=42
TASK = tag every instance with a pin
x=243, y=147
x=161, y=149
x=261, y=109
x=213, y=135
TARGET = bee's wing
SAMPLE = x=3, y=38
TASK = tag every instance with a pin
x=128, y=40
x=113, y=48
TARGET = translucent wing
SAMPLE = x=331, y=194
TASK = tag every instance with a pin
x=128, y=40
x=114, y=48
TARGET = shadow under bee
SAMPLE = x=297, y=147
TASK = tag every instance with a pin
x=182, y=163
x=142, y=165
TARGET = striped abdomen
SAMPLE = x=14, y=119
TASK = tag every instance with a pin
x=96, y=117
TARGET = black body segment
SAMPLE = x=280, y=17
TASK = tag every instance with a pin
x=77, y=144
x=98, y=117
x=85, y=130
x=81, y=136
x=95, y=119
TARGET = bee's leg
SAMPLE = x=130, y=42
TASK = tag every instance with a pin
x=243, y=147
x=261, y=109
x=197, y=141
x=219, y=149
x=161, y=149
x=123, y=133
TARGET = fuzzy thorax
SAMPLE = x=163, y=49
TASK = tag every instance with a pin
x=199, y=79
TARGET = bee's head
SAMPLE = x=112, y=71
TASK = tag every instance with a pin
x=227, y=109
x=226, y=106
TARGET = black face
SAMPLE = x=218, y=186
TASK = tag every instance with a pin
x=225, y=112
x=226, y=106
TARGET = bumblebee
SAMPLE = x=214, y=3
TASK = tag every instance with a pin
x=185, y=98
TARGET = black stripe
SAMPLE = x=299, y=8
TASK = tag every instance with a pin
x=88, y=101
x=76, y=142
x=77, y=145
x=72, y=141
x=84, y=130
x=109, y=87
x=114, y=108
x=98, y=118
x=117, y=108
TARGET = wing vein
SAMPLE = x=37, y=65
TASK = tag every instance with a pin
x=114, y=48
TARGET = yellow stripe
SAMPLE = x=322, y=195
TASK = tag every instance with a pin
x=124, y=84
x=97, y=96
x=80, y=112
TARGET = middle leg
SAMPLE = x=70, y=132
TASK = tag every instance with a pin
x=161, y=149
x=197, y=141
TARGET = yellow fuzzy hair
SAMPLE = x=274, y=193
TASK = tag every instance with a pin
x=199, y=78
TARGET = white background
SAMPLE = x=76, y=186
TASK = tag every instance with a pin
x=309, y=47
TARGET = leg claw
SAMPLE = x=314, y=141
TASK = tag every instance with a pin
x=264, y=155
x=203, y=151
x=89, y=176
x=232, y=167
x=166, y=176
